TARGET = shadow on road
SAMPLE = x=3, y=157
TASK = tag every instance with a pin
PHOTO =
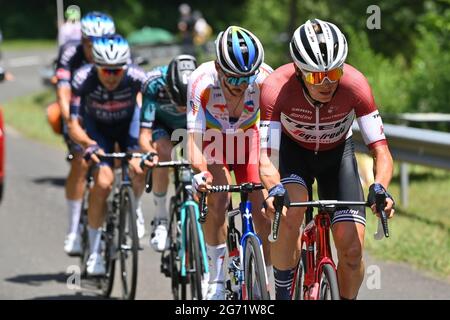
x=38, y=279
x=76, y=296
x=58, y=182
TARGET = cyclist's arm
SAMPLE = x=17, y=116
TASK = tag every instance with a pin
x=196, y=125
x=63, y=76
x=195, y=154
x=63, y=94
x=77, y=133
x=383, y=165
x=269, y=154
x=270, y=135
x=147, y=118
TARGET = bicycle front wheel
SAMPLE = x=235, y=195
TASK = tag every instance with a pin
x=128, y=243
x=254, y=271
x=328, y=289
x=194, y=267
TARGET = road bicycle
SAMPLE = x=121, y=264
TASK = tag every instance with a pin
x=316, y=274
x=119, y=239
x=185, y=259
x=247, y=275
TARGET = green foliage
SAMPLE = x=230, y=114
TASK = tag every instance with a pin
x=386, y=76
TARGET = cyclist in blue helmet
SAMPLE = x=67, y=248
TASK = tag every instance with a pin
x=223, y=102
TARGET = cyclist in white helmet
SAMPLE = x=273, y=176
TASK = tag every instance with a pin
x=307, y=110
x=72, y=56
x=105, y=95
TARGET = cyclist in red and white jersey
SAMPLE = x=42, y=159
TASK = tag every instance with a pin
x=222, y=122
x=307, y=110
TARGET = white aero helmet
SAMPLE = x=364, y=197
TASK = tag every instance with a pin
x=111, y=50
x=318, y=46
x=239, y=52
x=97, y=24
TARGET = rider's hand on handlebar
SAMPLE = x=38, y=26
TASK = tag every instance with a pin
x=268, y=210
x=149, y=160
x=91, y=152
x=389, y=205
x=202, y=181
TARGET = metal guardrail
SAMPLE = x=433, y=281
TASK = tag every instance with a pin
x=421, y=146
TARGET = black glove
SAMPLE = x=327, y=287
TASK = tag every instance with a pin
x=89, y=151
x=373, y=190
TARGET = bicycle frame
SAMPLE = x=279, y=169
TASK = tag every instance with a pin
x=236, y=241
x=184, y=198
x=245, y=208
x=183, y=238
x=317, y=231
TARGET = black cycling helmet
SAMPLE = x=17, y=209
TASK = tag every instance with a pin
x=178, y=72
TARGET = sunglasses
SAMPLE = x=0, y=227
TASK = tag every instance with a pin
x=111, y=71
x=317, y=78
x=237, y=81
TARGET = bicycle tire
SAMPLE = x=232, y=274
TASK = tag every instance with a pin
x=253, y=262
x=173, y=250
x=128, y=242
x=328, y=284
x=110, y=260
x=84, y=256
x=194, y=260
x=301, y=270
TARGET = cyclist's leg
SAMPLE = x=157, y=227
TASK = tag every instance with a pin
x=215, y=233
x=74, y=189
x=103, y=179
x=163, y=147
x=285, y=252
x=348, y=225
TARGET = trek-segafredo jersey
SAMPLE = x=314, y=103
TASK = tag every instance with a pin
x=91, y=98
x=284, y=106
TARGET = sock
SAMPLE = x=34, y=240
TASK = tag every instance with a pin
x=74, y=207
x=139, y=213
x=216, y=257
x=95, y=236
x=159, y=199
x=283, y=283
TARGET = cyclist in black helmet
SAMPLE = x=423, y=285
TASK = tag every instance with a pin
x=163, y=111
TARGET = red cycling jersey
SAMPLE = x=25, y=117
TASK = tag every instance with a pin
x=284, y=105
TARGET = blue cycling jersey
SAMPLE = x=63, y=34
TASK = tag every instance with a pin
x=91, y=99
x=70, y=58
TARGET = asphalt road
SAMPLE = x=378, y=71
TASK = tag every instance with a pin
x=34, y=219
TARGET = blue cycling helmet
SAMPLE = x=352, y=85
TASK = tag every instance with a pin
x=97, y=24
x=239, y=52
x=111, y=50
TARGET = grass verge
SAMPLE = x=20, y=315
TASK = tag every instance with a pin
x=22, y=44
x=28, y=115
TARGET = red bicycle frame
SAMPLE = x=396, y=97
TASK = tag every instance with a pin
x=316, y=233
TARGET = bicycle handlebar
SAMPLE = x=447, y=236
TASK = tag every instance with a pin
x=119, y=155
x=332, y=204
x=244, y=187
x=165, y=164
